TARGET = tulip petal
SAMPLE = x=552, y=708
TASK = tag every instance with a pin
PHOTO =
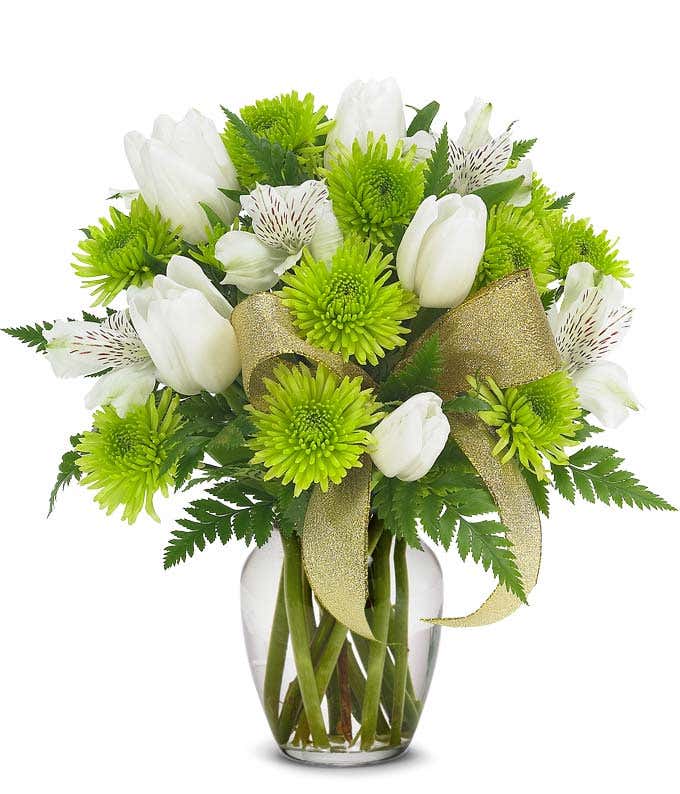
x=407, y=253
x=187, y=273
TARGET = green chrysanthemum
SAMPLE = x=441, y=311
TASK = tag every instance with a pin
x=121, y=251
x=291, y=122
x=374, y=192
x=349, y=309
x=532, y=421
x=576, y=241
x=125, y=459
x=313, y=430
x=515, y=239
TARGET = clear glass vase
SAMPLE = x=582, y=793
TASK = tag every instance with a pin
x=332, y=697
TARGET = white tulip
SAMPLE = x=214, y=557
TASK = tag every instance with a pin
x=183, y=321
x=408, y=441
x=180, y=165
x=441, y=249
x=588, y=322
x=374, y=106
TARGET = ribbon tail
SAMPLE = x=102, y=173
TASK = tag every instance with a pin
x=334, y=548
x=517, y=512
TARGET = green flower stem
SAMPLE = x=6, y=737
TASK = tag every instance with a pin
x=400, y=638
x=412, y=705
x=357, y=683
x=410, y=691
x=295, y=611
x=378, y=647
x=333, y=701
x=292, y=703
x=276, y=659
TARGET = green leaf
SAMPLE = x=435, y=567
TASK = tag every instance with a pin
x=499, y=191
x=521, y=148
x=562, y=202
x=233, y=195
x=563, y=482
x=487, y=542
x=68, y=471
x=31, y=335
x=213, y=218
x=539, y=491
x=598, y=476
x=280, y=165
x=437, y=174
x=464, y=404
x=423, y=119
x=549, y=297
x=421, y=373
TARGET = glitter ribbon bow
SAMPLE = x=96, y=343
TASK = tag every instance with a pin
x=500, y=332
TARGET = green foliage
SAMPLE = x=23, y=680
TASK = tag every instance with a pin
x=437, y=174
x=487, y=542
x=498, y=192
x=31, y=335
x=539, y=491
x=423, y=119
x=562, y=202
x=521, y=149
x=421, y=373
x=464, y=404
x=68, y=470
x=442, y=502
x=595, y=473
x=276, y=165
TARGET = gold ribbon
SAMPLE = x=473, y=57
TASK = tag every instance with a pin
x=501, y=332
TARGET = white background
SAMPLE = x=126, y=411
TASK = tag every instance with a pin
x=119, y=677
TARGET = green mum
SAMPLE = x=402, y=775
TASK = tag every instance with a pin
x=313, y=429
x=515, y=239
x=532, y=421
x=349, y=309
x=287, y=120
x=374, y=193
x=123, y=251
x=126, y=458
x=576, y=241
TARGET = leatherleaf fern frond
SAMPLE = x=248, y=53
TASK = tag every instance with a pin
x=446, y=503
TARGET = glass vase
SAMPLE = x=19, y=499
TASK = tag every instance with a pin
x=332, y=697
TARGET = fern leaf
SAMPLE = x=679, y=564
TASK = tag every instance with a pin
x=421, y=373
x=68, y=471
x=437, y=174
x=31, y=335
x=562, y=202
x=520, y=149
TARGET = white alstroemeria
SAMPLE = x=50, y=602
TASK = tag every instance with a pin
x=407, y=442
x=424, y=143
x=181, y=165
x=522, y=196
x=441, y=249
x=589, y=321
x=77, y=349
x=285, y=220
x=476, y=159
x=373, y=106
x=183, y=321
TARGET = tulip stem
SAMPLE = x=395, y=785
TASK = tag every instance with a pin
x=399, y=640
x=276, y=659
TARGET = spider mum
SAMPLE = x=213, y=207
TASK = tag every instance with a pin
x=122, y=250
x=576, y=241
x=287, y=120
x=126, y=459
x=533, y=421
x=374, y=192
x=313, y=429
x=515, y=239
x=349, y=309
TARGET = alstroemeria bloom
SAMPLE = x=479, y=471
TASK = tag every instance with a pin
x=588, y=323
x=285, y=219
x=77, y=349
x=373, y=106
x=181, y=165
x=476, y=159
x=441, y=249
x=408, y=441
x=183, y=321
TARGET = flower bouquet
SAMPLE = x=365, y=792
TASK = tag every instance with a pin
x=349, y=334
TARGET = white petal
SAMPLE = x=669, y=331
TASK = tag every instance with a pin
x=327, y=237
x=407, y=253
x=480, y=167
x=580, y=277
x=604, y=391
x=249, y=263
x=476, y=131
x=186, y=272
x=424, y=143
x=123, y=388
x=522, y=196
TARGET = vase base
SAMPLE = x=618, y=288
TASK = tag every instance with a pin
x=343, y=757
